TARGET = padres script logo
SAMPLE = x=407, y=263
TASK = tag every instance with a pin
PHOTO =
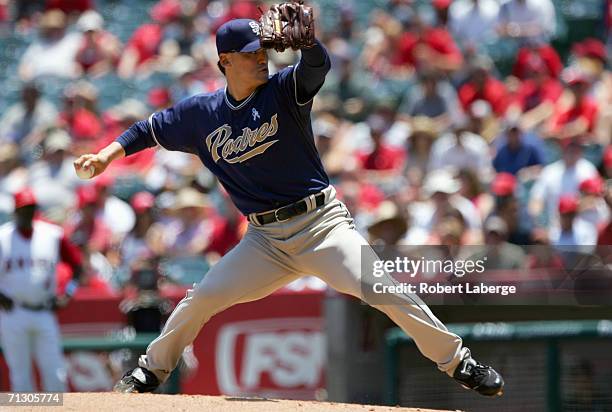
x=231, y=148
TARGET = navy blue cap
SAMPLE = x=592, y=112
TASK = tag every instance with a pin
x=239, y=35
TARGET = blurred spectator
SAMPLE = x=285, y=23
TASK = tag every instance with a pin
x=473, y=22
x=99, y=50
x=117, y=119
x=527, y=19
x=25, y=122
x=432, y=98
x=571, y=231
x=388, y=225
x=542, y=255
x=348, y=85
x=330, y=140
x=186, y=83
x=240, y=9
x=473, y=190
x=56, y=163
x=189, y=232
x=516, y=153
x=13, y=174
x=593, y=208
x=441, y=189
x=143, y=48
x=481, y=85
x=451, y=232
x=500, y=254
x=159, y=98
x=536, y=95
x=419, y=143
x=506, y=205
x=25, y=9
x=560, y=178
x=382, y=157
x=421, y=46
x=536, y=54
x=461, y=149
x=481, y=120
x=576, y=115
x=54, y=52
x=80, y=115
x=117, y=215
x=135, y=245
x=84, y=227
x=180, y=38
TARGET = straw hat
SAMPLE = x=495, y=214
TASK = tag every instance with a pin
x=388, y=212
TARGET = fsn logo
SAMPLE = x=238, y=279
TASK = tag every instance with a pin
x=276, y=355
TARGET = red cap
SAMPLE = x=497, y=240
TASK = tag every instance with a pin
x=24, y=197
x=568, y=204
x=592, y=186
x=87, y=195
x=142, y=201
x=591, y=48
x=504, y=184
x=441, y=4
x=607, y=157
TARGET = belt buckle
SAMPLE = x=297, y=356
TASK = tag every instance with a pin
x=277, y=218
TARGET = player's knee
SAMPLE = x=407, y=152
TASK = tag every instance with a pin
x=205, y=299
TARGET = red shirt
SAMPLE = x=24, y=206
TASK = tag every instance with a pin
x=91, y=53
x=225, y=235
x=530, y=95
x=545, y=55
x=384, y=158
x=4, y=14
x=82, y=123
x=494, y=92
x=68, y=6
x=146, y=40
x=138, y=163
x=586, y=109
x=605, y=235
x=436, y=38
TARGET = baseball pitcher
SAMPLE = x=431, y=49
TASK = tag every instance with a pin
x=255, y=135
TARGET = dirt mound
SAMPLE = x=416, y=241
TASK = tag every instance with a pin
x=99, y=402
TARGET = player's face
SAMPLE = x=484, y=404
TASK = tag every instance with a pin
x=251, y=68
x=24, y=216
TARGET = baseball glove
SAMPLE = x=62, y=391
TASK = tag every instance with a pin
x=287, y=25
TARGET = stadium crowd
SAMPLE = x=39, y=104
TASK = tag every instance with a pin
x=427, y=137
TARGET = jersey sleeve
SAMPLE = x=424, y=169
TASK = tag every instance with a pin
x=176, y=128
x=303, y=81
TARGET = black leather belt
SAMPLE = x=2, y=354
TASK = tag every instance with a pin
x=35, y=308
x=287, y=212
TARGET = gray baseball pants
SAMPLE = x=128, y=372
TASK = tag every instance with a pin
x=322, y=242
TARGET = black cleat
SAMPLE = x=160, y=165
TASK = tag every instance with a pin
x=481, y=378
x=137, y=380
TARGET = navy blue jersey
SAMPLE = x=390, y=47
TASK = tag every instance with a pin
x=262, y=150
